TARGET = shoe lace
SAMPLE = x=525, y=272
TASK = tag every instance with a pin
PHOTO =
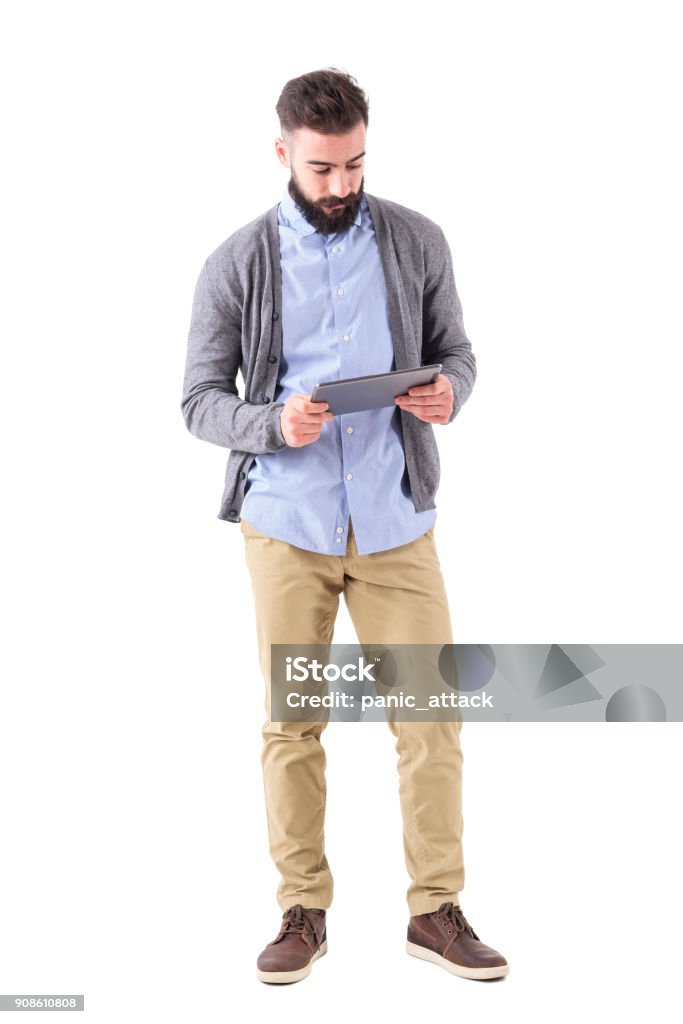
x=455, y=921
x=299, y=920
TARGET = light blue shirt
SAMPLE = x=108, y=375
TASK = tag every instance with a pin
x=335, y=324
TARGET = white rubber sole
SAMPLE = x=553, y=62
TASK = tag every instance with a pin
x=284, y=977
x=476, y=973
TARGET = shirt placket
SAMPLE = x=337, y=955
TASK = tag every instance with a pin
x=338, y=259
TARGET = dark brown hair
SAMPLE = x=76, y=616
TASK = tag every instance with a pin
x=328, y=101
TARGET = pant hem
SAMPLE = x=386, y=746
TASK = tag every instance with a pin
x=428, y=904
x=307, y=902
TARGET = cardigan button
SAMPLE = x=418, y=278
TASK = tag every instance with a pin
x=233, y=511
x=272, y=359
x=265, y=399
x=242, y=474
x=276, y=316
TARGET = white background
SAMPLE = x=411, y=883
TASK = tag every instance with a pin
x=545, y=139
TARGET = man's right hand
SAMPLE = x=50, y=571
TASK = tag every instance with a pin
x=301, y=420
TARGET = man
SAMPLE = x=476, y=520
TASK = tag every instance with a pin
x=334, y=282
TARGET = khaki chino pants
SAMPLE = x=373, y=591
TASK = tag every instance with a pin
x=393, y=597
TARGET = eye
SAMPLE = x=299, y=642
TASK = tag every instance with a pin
x=352, y=167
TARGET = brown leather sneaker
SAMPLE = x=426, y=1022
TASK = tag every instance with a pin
x=301, y=940
x=445, y=937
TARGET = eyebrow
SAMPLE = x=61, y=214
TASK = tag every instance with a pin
x=326, y=163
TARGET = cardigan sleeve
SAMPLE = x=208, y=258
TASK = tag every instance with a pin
x=443, y=331
x=211, y=405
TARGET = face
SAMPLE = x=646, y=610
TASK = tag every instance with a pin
x=327, y=176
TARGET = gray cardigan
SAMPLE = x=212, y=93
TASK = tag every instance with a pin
x=236, y=326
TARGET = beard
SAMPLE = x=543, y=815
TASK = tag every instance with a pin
x=316, y=215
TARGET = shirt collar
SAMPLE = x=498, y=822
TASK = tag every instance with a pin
x=295, y=217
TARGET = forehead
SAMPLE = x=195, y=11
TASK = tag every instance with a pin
x=337, y=149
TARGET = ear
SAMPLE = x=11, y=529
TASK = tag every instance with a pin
x=282, y=151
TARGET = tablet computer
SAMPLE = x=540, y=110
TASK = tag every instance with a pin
x=355, y=394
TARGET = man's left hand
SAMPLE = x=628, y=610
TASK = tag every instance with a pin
x=432, y=403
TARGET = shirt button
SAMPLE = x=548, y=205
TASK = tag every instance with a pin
x=340, y=291
x=349, y=476
x=340, y=529
x=346, y=337
x=336, y=248
x=349, y=430
x=338, y=539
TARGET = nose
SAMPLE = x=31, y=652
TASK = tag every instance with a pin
x=339, y=185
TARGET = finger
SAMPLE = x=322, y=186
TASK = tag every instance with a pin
x=302, y=438
x=430, y=389
x=429, y=412
x=407, y=401
x=437, y=387
x=429, y=418
x=303, y=403
x=309, y=416
x=310, y=420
